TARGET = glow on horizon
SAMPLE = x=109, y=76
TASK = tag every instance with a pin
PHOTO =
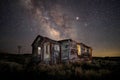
x=105, y=53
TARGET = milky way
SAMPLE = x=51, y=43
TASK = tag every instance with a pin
x=53, y=19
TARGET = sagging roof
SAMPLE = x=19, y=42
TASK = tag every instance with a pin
x=46, y=38
x=43, y=38
x=65, y=40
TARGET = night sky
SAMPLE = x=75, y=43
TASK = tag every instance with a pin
x=93, y=22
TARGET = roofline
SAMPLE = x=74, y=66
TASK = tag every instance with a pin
x=50, y=39
x=65, y=40
x=84, y=45
x=36, y=39
x=42, y=38
x=59, y=41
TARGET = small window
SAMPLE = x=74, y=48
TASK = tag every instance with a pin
x=39, y=50
x=79, y=49
x=66, y=46
x=87, y=50
x=56, y=48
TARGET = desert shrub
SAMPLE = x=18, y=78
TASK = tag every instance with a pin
x=6, y=66
x=97, y=70
x=88, y=66
x=60, y=75
x=91, y=75
x=77, y=64
x=11, y=70
x=104, y=72
x=50, y=71
x=78, y=72
x=69, y=73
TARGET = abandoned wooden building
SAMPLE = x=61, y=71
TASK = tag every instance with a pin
x=48, y=51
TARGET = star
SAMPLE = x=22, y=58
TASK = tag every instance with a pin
x=77, y=18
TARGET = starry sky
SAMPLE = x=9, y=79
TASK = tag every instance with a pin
x=93, y=22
